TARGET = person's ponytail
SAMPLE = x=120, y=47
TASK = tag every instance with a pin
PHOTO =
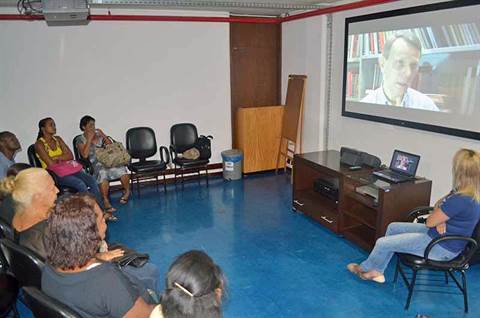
x=7, y=185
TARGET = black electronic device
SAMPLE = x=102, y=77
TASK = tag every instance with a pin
x=354, y=157
x=327, y=187
x=370, y=160
x=350, y=156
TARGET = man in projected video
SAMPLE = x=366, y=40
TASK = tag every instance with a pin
x=399, y=65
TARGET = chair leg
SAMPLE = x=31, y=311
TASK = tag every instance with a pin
x=175, y=174
x=164, y=182
x=156, y=178
x=410, y=289
x=464, y=291
x=182, y=177
x=446, y=277
x=206, y=173
x=396, y=271
x=15, y=311
x=138, y=185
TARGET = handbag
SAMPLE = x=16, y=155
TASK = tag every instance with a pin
x=130, y=257
x=204, y=146
x=65, y=168
x=113, y=155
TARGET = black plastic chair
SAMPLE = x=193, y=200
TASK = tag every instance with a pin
x=184, y=136
x=24, y=264
x=7, y=231
x=8, y=295
x=44, y=306
x=417, y=263
x=35, y=162
x=87, y=165
x=142, y=144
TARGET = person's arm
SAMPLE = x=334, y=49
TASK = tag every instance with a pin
x=436, y=218
x=109, y=255
x=42, y=153
x=140, y=309
x=84, y=149
x=106, y=140
x=66, y=152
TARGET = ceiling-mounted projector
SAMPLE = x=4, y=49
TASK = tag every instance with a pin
x=65, y=12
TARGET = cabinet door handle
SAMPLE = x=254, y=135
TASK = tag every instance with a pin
x=298, y=202
x=326, y=219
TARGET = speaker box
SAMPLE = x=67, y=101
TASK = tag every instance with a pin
x=370, y=160
x=350, y=156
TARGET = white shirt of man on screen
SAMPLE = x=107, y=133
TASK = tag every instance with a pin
x=399, y=65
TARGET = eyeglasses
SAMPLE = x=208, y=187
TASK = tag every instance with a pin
x=401, y=65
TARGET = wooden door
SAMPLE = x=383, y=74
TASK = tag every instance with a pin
x=255, y=66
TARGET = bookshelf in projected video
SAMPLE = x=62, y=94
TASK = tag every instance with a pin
x=448, y=71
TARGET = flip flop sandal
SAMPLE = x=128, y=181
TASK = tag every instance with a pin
x=110, y=209
x=110, y=217
x=124, y=199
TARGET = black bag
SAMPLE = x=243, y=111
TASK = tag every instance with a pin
x=204, y=145
x=131, y=257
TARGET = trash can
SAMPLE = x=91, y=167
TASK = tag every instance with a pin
x=232, y=164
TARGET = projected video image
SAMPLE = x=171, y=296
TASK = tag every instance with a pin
x=433, y=68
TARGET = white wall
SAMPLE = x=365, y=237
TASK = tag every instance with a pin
x=436, y=150
x=303, y=43
x=124, y=74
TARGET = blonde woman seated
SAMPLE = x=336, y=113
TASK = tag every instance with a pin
x=457, y=213
x=87, y=143
x=93, y=288
x=33, y=193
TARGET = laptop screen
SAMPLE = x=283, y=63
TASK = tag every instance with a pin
x=404, y=162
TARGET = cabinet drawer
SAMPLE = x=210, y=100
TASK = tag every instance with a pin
x=315, y=207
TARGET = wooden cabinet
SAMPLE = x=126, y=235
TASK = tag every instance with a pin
x=258, y=136
x=359, y=218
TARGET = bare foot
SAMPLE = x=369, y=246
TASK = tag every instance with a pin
x=355, y=269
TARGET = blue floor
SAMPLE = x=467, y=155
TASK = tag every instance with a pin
x=278, y=263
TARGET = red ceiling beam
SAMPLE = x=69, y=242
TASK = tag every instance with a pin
x=116, y=17
x=343, y=7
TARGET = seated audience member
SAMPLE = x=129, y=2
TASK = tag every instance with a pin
x=74, y=275
x=51, y=149
x=193, y=288
x=33, y=193
x=7, y=206
x=14, y=169
x=87, y=144
x=457, y=213
x=9, y=146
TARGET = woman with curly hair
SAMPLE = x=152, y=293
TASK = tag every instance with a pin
x=74, y=275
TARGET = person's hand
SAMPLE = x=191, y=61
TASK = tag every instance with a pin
x=441, y=228
x=89, y=134
x=101, y=133
x=109, y=255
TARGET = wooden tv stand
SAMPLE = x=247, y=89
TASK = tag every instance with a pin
x=357, y=217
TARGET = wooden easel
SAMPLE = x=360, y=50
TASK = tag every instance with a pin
x=292, y=121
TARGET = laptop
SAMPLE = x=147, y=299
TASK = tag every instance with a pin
x=402, y=167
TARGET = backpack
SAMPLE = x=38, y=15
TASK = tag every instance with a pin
x=204, y=146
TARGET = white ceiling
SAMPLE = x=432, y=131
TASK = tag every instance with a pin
x=234, y=7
